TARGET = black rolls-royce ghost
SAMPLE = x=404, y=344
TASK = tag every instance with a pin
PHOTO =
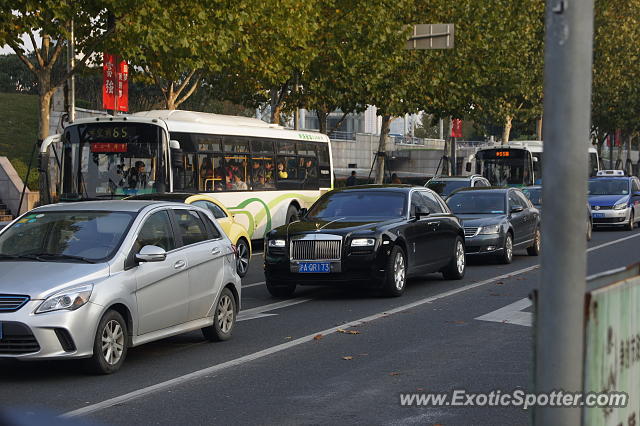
x=372, y=235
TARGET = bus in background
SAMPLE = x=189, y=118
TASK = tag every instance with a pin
x=517, y=164
x=264, y=174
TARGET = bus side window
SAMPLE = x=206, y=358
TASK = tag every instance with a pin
x=324, y=165
x=184, y=176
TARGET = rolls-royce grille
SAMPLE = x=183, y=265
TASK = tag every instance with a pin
x=316, y=250
x=470, y=231
x=17, y=339
x=12, y=302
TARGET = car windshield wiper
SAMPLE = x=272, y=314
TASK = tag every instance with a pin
x=19, y=256
x=43, y=257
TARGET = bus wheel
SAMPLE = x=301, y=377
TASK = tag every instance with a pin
x=292, y=214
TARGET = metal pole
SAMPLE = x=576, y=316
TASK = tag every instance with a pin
x=567, y=100
x=71, y=63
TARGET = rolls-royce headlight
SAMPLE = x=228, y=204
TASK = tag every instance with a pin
x=491, y=229
x=277, y=243
x=363, y=242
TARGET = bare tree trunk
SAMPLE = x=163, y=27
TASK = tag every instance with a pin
x=277, y=101
x=539, y=128
x=339, y=123
x=382, y=148
x=322, y=120
x=507, y=130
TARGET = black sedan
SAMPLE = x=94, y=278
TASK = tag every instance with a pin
x=497, y=221
x=373, y=235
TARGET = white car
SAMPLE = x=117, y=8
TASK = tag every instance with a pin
x=92, y=279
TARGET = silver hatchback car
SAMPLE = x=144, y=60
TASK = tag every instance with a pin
x=91, y=279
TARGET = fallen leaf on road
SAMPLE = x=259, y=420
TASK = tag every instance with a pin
x=288, y=337
x=347, y=331
x=318, y=337
x=455, y=322
x=347, y=358
x=500, y=283
x=394, y=373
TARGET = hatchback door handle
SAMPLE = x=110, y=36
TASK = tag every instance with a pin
x=179, y=264
x=433, y=223
x=215, y=251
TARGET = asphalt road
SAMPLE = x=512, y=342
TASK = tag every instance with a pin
x=286, y=363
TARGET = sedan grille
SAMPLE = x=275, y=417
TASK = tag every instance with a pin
x=12, y=302
x=17, y=339
x=316, y=250
x=471, y=231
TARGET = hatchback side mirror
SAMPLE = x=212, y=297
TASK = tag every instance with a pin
x=151, y=254
x=517, y=209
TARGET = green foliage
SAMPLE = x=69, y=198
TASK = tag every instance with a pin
x=18, y=133
x=616, y=67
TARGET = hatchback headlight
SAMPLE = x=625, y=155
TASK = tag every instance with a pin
x=277, y=243
x=69, y=299
x=491, y=229
x=620, y=206
x=363, y=242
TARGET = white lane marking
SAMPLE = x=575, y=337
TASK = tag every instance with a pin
x=511, y=314
x=588, y=250
x=259, y=311
x=122, y=399
x=619, y=240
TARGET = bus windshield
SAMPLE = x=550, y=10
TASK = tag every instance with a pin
x=504, y=167
x=112, y=160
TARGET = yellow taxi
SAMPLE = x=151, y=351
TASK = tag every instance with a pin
x=235, y=231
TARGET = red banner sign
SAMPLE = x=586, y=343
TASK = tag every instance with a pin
x=115, y=86
x=456, y=128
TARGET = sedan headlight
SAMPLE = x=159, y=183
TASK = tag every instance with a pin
x=69, y=299
x=363, y=242
x=491, y=229
x=277, y=243
x=620, y=206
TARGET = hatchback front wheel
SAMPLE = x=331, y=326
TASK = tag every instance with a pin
x=110, y=344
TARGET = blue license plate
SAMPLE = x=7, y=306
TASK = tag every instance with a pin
x=598, y=215
x=314, y=267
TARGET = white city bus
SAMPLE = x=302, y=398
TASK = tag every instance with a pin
x=518, y=163
x=262, y=172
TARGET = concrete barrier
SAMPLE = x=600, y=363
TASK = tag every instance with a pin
x=11, y=189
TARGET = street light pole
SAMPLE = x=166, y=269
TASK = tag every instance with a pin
x=567, y=109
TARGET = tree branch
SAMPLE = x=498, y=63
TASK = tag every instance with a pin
x=335, y=128
x=22, y=57
x=89, y=51
x=35, y=50
x=184, y=83
x=193, y=88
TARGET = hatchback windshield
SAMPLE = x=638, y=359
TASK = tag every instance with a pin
x=360, y=204
x=87, y=236
x=446, y=187
x=479, y=202
x=608, y=187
